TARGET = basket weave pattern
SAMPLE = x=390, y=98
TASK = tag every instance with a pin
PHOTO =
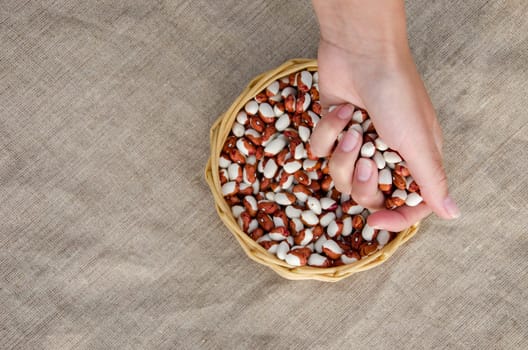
x=219, y=132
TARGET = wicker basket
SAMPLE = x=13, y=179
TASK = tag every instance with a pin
x=219, y=132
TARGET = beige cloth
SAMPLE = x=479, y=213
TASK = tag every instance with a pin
x=108, y=235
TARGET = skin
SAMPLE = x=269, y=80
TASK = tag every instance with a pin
x=364, y=60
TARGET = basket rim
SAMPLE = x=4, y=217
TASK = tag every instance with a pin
x=253, y=250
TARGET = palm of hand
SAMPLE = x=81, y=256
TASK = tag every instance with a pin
x=391, y=90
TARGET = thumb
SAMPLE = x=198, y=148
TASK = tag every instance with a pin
x=425, y=164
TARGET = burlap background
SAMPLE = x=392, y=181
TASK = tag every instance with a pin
x=108, y=236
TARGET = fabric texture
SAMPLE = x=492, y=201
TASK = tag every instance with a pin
x=108, y=234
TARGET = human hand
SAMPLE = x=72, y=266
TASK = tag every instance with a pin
x=379, y=75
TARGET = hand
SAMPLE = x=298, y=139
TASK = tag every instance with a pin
x=381, y=77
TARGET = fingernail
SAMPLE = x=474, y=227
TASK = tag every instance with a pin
x=451, y=207
x=364, y=170
x=350, y=140
x=345, y=112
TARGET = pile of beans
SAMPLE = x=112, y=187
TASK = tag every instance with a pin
x=284, y=197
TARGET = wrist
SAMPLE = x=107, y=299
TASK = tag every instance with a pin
x=374, y=27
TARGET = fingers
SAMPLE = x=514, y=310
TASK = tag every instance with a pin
x=365, y=189
x=425, y=162
x=423, y=154
x=328, y=128
x=399, y=219
x=343, y=159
